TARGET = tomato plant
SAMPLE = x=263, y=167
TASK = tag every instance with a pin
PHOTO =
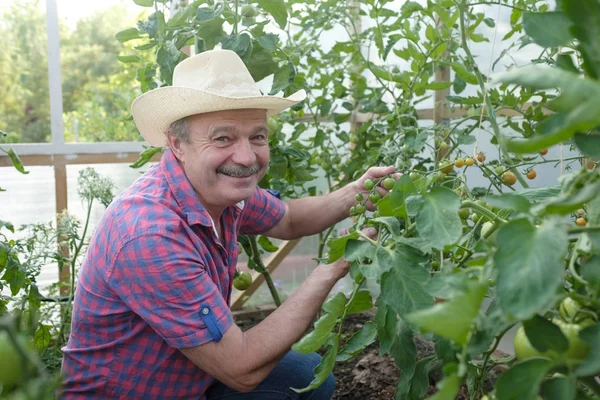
x=432, y=264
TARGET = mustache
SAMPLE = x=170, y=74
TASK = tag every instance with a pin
x=239, y=171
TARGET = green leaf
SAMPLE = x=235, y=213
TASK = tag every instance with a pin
x=129, y=58
x=451, y=319
x=447, y=388
x=591, y=365
x=509, y=201
x=211, y=32
x=146, y=156
x=590, y=271
x=362, y=301
x=16, y=161
x=559, y=388
x=323, y=370
x=394, y=203
x=538, y=194
x=466, y=75
x=356, y=250
x=261, y=64
x=588, y=144
x=323, y=326
x=359, y=341
x=42, y=337
x=396, y=337
x=277, y=9
x=337, y=246
x=268, y=41
x=241, y=44
x=544, y=335
x=144, y=3
x=436, y=216
x=127, y=35
x=586, y=28
x=402, y=288
x=576, y=113
x=522, y=381
x=566, y=203
x=206, y=14
x=438, y=85
x=7, y=225
x=266, y=244
x=548, y=29
x=420, y=379
x=530, y=264
x=282, y=80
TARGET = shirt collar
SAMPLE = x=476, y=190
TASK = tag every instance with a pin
x=183, y=191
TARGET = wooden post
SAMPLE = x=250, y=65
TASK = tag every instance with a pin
x=60, y=188
x=440, y=107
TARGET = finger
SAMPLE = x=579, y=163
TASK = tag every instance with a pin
x=379, y=172
x=370, y=232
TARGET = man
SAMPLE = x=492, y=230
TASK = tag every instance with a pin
x=151, y=316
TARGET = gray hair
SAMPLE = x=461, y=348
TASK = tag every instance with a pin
x=180, y=129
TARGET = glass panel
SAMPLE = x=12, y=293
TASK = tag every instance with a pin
x=97, y=88
x=24, y=95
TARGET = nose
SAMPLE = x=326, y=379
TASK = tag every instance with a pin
x=244, y=153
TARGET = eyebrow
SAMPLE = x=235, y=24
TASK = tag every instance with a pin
x=230, y=129
x=221, y=129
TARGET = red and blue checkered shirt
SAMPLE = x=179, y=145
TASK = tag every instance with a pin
x=156, y=278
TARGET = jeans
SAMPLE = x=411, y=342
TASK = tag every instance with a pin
x=294, y=370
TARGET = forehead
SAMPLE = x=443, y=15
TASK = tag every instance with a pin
x=244, y=118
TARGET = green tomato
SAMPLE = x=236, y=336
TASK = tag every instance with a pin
x=374, y=197
x=499, y=170
x=242, y=281
x=523, y=347
x=414, y=176
x=463, y=213
x=568, y=308
x=11, y=362
x=359, y=197
x=369, y=184
x=360, y=209
x=578, y=349
x=388, y=183
x=486, y=228
x=248, y=11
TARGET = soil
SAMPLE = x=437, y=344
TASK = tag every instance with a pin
x=369, y=375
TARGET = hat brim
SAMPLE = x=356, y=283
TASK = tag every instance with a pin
x=154, y=111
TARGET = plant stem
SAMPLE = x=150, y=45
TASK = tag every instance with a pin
x=488, y=354
x=263, y=270
x=352, y=296
x=580, y=229
x=482, y=210
x=462, y=8
x=235, y=17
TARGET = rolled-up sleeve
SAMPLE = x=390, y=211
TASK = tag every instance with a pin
x=261, y=212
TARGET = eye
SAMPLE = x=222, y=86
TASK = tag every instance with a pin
x=259, y=138
x=222, y=139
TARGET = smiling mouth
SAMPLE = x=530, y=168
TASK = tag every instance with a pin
x=236, y=175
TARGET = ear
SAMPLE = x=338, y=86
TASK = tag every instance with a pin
x=176, y=147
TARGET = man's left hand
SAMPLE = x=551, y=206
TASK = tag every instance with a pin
x=377, y=175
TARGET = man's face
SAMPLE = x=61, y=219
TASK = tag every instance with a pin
x=227, y=155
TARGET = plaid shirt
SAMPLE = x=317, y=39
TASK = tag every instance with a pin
x=156, y=279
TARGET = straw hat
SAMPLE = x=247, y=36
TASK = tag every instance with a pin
x=215, y=80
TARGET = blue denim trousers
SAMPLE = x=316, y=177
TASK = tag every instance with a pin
x=295, y=370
